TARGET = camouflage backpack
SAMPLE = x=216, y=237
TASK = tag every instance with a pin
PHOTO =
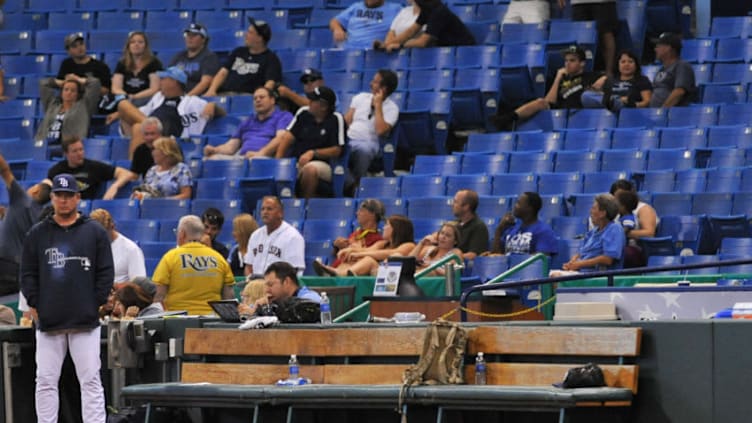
x=441, y=360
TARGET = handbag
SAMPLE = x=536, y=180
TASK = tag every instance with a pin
x=587, y=376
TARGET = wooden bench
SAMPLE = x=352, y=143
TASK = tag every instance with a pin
x=356, y=367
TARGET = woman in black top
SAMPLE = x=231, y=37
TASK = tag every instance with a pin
x=442, y=27
x=135, y=75
x=629, y=88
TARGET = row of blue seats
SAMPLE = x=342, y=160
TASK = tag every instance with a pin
x=612, y=160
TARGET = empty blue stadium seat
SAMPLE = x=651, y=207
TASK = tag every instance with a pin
x=699, y=116
x=546, y=120
x=577, y=161
x=231, y=169
x=524, y=33
x=436, y=165
x=712, y=203
x=729, y=73
x=672, y=203
x=122, y=21
x=415, y=132
x=37, y=65
x=642, y=118
x=488, y=164
x=708, y=258
x=539, y=141
x=123, y=209
x=566, y=183
x=164, y=208
x=341, y=60
x=222, y=20
x=157, y=249
x=524, y=161
x=47, y=6
x=641, y=139
x=488, y=267
x=724, y=179
x=656, y=261
x=658, y=181
x=326, y=229
x=514, y=183
x=731, y=27
x=421, y=185
x=690, y=138
x=723, y=93
x=698, y=50
x=623, y=160
x=430, y=207
x=569, y=227
x=580, y=204
x=690, y=181
x=730, y=136
x=426, y=226
x=432, y=58
x=478, y=183
x=494, y=142
x=330, y=208
x=371, y=187
x=735, y=114
x=736, y=246
x=599, y=182
x=587, y=139
x=591, y=118
x=481, y=56
x=139, y=230
x=374, y=59
x=683, y=229
x=733, y=50
x=430, y=79
x=670, y=158
x=492, y=207
x=16, y=42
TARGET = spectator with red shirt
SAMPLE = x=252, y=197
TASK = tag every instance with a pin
x=367, y=234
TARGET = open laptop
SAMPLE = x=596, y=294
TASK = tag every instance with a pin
x=227, y=310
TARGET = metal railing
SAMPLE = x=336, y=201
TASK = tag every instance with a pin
x=589, y=275
x=437, y=264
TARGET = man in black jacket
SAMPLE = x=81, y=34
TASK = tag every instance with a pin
x=66, y=274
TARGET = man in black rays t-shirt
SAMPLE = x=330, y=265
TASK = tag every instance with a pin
x=565, y=92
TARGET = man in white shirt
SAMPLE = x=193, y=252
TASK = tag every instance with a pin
x=276, y=241
x=126, y=254
x=370, y=116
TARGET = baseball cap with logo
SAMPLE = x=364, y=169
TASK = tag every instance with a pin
x=576, y=50
x=310, y=75
x=72, y=38
x=323, y=94
x=669, y=39
x=263, y=28
x=175, y=73
x=197, y=28
x=64, y=182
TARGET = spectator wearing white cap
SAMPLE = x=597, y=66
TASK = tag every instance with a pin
x=250, y=66
x=197, y=61
x=181, y=115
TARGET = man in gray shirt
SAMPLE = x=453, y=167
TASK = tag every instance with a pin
x=197, y=61
x=674, y=84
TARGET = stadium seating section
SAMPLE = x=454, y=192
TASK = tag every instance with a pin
x=692, y=163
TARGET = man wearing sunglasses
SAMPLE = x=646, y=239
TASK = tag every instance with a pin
x=565, y=93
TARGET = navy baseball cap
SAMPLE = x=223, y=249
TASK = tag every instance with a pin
x=262, y=27
x=576, y=50
x=323, y=94
x=197, y=28
x=670, y=39
x=310, y=75
x=64, y=182
x=72, y=38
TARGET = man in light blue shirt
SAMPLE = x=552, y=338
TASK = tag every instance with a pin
x=361, y=24
x=282, y=282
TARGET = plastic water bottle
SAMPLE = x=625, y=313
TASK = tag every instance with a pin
x=480, y=369
x=294, y=368
x=326, y=310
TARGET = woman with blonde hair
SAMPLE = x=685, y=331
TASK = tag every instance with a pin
x=436, y=246
x=243, y=226
x=399, y=235
x=169, y=177
x=135, y=76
